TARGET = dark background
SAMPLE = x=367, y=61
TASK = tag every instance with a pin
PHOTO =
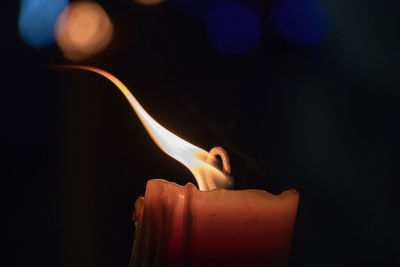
x=322, y=119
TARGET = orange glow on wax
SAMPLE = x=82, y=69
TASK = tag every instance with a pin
x=194, y=158
x=148, y=2
x=83, y=29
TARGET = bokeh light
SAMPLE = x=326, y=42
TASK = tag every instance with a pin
x=233, y=28
x=83, y=29
x=37, y=21
x=148, y=2
x=302, y=22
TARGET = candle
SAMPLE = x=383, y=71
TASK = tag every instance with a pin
x=182, y=226
x=209, y=226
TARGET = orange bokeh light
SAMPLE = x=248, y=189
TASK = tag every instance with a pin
x=83, y=29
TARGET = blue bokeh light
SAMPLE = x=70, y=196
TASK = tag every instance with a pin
x=233, y=28
x=37, y=21
x=302, y=22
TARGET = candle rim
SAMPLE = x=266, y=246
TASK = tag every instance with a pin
x=265, y=193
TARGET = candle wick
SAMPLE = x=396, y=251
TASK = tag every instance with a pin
x=219, y=151
x=212, y=160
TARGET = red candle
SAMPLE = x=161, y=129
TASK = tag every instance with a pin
x=182, y=226
x=213, y=226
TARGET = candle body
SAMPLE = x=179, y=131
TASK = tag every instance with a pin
x=182, y=226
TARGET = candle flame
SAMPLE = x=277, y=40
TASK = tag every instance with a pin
x=208, y=177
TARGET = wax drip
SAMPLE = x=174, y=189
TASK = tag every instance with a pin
x=138, y=213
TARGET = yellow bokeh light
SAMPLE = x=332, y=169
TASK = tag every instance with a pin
x=83, y=29
x=148, y=2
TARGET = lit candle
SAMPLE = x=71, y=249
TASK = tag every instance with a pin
x=213, y=226
x=182, y=226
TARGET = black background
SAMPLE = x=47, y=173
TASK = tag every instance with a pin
x=323, y=121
